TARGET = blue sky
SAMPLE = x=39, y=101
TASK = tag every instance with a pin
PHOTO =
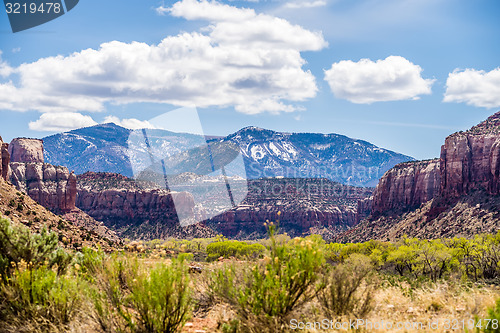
x=430, y=68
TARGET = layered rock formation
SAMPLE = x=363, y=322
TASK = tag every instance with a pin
x=54, y=187
x=145, y=214
x=26, y=150
x=49, y=188
x=4, y=159
x=122, y=206
x=299, y=205
x=134, y=210
x=455, y=195
x=406, y=186
x=22, y=209
x=471, y=160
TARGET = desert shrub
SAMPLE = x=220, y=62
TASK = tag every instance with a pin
x=127, y=299
x=265, y=294
x=349, y=288
x=234, y=248
x=40, y=298
x=34, y=288
x=18, y=243
x=89, y=261
x=110, y=291
x=162, y=298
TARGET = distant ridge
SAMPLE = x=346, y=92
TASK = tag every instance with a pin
x=103, y=148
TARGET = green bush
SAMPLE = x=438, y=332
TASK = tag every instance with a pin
x=88, y=262
x=430, y=258
x=162, y=298
x=349, y=288
x=35, y=293
x=234, y=248
x=126, y=299
x=39, y=296
x=267, y=293
x=18, y=243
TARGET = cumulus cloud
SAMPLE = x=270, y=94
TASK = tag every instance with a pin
x=391, y=79
x=305, y=4
x=242, y=59
x=61, y=122
x=130, y=123
x=474, y=87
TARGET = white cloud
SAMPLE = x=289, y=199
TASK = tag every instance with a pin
x=130, y=123
x=474, y=87
x=5, y=70
x=305, y=4
x=208, y=11
x=254, y=65
x=363, y=82
x=61, y=122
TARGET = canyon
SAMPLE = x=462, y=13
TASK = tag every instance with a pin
x=456, y=194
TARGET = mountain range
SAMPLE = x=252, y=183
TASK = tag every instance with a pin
x=266, y=153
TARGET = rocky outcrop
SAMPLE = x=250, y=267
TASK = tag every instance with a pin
x=24, y=210
x=53, y=187
x=455, y=195
x=26, y=150
x=246, y=220
x=298, y=205
x=121, y=207
x=471, y=160
x=4, y=159
x=364, y=209
x=144, y=214
x=406, y=186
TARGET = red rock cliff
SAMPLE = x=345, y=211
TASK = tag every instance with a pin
x=303, y=203
x=471, y=160
x=53, y=187
x=4, y=159
x=120, y=207
x=26, y=150
x=407, y=185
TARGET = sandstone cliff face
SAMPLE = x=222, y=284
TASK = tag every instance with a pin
x=120, y=207
x=455, y=195
x=53, y=187
x=406, y=186
x=305, y=205
x=245, y=220
x=26, y=150
x=471, y=160
x=143, y=214
x=4, y=159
